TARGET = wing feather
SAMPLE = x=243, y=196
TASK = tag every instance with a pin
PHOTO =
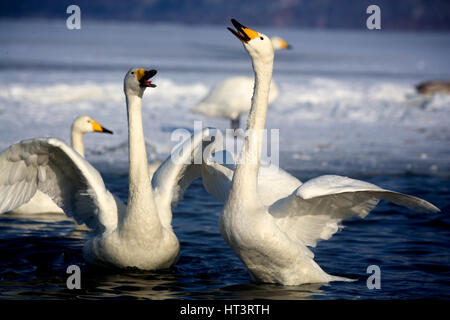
x=178, y=171
x=57, y=170
x=313, y=211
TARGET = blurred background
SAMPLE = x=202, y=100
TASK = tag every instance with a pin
x=347, y=102
x=319, y=14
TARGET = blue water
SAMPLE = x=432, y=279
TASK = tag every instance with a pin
x=411, y=249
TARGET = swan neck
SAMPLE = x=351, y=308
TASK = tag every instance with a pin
x=260, y=99
x=246, y=175
x=77, y=141
x=141, y=206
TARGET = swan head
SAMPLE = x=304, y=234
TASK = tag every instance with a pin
x=279, y=43
x=137, y=79
x=85, y=124
x=258, y=45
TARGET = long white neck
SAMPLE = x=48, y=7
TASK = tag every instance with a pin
x=246, y=175
x=77, y=141
x=141, y=212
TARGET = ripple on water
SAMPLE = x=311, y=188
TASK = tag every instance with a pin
x=410, y=248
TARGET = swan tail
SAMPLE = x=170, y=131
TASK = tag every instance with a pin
x=337, y=278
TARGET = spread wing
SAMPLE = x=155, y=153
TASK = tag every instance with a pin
x=274, y=183
x=313, y=211
x=50, y=166
x=217, y=174
x=178, y=171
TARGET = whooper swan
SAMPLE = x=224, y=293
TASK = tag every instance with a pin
x=42, y=203
x=139, y=235
x=231, y=98
x=273, y=240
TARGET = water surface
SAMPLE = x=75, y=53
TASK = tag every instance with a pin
x=412, y=250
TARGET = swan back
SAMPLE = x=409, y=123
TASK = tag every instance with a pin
x=231, y=98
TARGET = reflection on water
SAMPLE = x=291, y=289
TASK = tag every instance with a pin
x=40, y=224
x=271, y=291
x=410, y=248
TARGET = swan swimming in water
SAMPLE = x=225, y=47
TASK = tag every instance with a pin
x=42, y=203
x=139, y=235
x=272, y=240
x=231, y=98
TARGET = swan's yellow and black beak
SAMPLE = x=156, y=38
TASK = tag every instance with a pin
x=242, y=32
x=143, y=77
x=98, y=128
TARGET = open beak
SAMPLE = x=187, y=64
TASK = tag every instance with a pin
x=104, y=130
x=144, y=76
x=98, y=128
x=242, y=32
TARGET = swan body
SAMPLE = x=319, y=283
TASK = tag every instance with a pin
x=42, y=203
x=231, y=98
x=273, y=240
x=139, y=235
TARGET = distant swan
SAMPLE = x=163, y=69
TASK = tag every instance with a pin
x=430, y=88
x=139, y=235
x=42, y=203
x=279, y=43
x=273, y=240
x=231, y=98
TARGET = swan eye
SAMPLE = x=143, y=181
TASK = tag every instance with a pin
x=262, y=38
x=132, y=72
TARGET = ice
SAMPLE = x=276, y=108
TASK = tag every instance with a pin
x=347, y=100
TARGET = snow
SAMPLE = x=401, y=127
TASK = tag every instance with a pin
x=347, y=101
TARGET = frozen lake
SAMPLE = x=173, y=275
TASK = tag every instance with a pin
x=347, y=103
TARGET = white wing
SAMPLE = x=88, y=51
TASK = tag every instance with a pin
x=57, y=170
x=313, y=211
x=177, y=172
x=217, y=176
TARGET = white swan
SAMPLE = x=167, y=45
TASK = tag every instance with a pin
x=272, y=240
x=42, y=203
x=80, y=126
x=279, y=43
x=231, y=98
x=139, y=235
